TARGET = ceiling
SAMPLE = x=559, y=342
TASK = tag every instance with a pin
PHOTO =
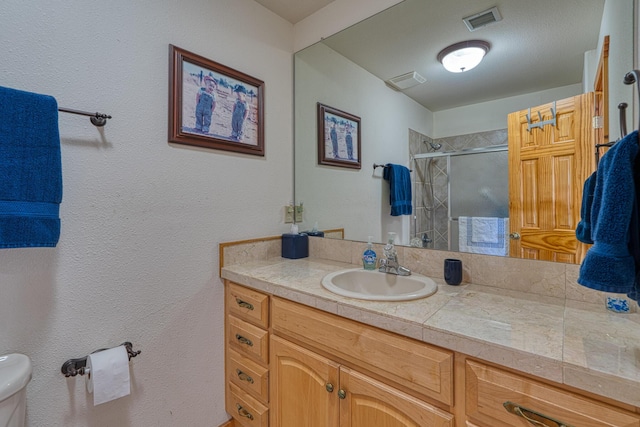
x=294, y=10
x=537, y=45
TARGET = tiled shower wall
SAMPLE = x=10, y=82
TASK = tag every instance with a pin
x=430, y=182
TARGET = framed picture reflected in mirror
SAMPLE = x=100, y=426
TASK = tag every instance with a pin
x=338, y=138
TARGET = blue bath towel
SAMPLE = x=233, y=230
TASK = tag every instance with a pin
x=608, y=265
x=583, y=230
x=30, y=170
x=634, y=232
x=399, y=178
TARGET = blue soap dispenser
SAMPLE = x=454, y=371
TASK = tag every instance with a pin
x=369, y=256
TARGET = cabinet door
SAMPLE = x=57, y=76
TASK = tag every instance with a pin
x=368, y=403
x=303, y=387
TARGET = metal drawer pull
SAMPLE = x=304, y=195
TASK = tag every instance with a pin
x=244, y=377
x=243, y=412
x=244, y=304
x=534, y=418
x=329, y=387
x=514, y=236
x=243, y=340
x=342, y=394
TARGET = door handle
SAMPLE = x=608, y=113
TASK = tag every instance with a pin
x=534, y=418
x=244, y=377
x=243, y=340
x=514, y=236
x=243, y=412
x=244, y=304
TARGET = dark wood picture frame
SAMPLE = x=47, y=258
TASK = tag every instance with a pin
x=338, y=138
x=214, y=106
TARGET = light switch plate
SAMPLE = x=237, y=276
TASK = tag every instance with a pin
x=288, y=214
x=298, y=212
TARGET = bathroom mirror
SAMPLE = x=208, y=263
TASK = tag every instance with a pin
x=449, y=111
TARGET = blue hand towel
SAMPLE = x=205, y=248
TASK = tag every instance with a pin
x=583, y=230
x=30, y=170
x=399, y=178
x=608, y=265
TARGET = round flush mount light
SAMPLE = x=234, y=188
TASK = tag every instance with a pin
x=463, y=56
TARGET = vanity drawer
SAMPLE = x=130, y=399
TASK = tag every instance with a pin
x=413, y=364
x=248, y=375
x=247, y=411
x=248, y=339
x=248, y=304
x=488, y=388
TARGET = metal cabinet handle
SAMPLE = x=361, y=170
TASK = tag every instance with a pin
x=244, y=304
x=534, y=418
x=244, y=377
x=329, y=387
x=342, y=394
x=243, y=412
x=243, y=340
x=514, y=236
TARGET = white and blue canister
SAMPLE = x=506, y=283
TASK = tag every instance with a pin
x=369, y=256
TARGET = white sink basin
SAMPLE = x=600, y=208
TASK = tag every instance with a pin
x=376, y=286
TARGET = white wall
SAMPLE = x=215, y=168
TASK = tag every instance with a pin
x=334, y=196
x=492, y=115
x=335, y=17
x=141, y=219
x=617, y=23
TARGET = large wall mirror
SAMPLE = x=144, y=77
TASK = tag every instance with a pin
x=451, y=129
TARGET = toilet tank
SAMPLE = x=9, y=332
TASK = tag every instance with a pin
x=15, y=374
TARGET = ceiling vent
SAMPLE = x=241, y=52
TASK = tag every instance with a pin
x=482, y=19
x=405, y=81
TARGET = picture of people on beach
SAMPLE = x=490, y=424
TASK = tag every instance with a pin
x=339, y=139
x=218, y=106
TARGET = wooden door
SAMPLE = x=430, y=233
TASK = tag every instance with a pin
x=547, y=169
x=369, y=403
x=303, y=387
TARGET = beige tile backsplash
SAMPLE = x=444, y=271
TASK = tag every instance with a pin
x=537, y=277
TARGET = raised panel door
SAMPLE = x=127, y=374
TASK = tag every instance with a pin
x=369, y=403
x=304, y=387
x=547, y=168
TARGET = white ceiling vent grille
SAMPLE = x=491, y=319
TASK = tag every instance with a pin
x=482, y=19
x=405, y=81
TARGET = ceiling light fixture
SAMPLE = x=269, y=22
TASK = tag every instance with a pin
x=463, y=56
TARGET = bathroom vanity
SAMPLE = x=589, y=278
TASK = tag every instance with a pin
x=471, y=355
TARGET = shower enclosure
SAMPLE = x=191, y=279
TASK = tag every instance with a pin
x=468, y=176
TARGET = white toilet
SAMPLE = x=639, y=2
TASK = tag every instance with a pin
x=15, y=374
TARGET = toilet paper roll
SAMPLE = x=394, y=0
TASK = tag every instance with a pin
x=108, y=377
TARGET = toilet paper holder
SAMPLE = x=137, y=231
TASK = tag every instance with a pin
x=73, y=367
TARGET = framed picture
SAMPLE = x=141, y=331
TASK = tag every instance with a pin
x=214, y=106
x=338, y=138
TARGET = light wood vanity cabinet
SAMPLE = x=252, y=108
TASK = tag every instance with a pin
x=311, y=390
x=489, y=391
x=306, y=367
x=247, y=355
x=413, y=365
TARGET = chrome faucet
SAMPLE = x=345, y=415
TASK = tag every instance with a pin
x=389, y=264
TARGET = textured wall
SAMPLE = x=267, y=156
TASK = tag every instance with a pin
x=141, y=219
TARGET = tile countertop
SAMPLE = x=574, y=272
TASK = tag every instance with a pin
x=569, y=342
